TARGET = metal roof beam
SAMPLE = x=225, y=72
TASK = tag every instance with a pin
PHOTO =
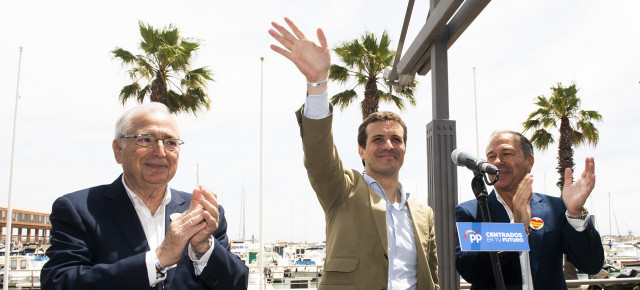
x=436, y=21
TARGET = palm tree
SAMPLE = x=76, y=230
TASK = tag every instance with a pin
x=165, y=69
x=576, y=127
x=365, y=59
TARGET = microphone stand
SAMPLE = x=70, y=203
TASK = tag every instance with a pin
x=480, y=191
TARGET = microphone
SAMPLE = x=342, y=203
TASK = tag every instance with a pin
x=461, y=158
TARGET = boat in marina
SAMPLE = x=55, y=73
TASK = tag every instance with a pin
x=24, y=269
x=623, y=254
x=286, y=265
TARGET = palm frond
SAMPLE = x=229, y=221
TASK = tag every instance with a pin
x=124, y=55
x=197, y=78
x=541, y=139
x=389, y=97
x=150, y=40
x=128, y=92
x=338, y=73
x=530, y=124
x=591, y=115
x=343, y=99
x=589, y=131
x=408, y=93
x=577, y=137
x=170, y=35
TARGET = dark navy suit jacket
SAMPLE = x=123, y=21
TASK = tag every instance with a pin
x=97, y=242
x=557, y=236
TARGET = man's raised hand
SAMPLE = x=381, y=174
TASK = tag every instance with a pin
x=312, y=60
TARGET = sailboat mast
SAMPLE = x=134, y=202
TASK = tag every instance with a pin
x=9, y=216
x=243, y=214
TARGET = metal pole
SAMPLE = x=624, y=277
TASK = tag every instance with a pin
x=475, y=104
x=7, y=244
x=610, y=236
x=261, y=261
x=244, y=215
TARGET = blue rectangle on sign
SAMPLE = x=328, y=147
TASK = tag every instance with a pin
x=492, y=237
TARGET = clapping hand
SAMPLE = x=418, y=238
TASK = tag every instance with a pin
x=575, y=194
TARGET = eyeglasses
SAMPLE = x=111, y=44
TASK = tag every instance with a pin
x=150, y=140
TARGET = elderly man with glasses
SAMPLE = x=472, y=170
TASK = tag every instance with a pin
x=137, y=233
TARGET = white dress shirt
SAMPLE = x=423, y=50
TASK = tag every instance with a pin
x=153, y=227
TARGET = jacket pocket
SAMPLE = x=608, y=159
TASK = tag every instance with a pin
x=341, y=264
x=337, y=287
x=339, y=274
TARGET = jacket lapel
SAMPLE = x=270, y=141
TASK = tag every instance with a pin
x=539, y=210
x=418, y=217
x=421, y=237
x=176, y=205
x=499, y=214
x=124, y=215
x=379, y=210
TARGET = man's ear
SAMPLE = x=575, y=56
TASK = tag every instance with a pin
x=361, y=152
x=117, y=150
x=530, y=161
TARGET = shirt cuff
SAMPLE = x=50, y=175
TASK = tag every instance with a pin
x=199, y=264
x=578, y=224
x=150, y=259
x=317, y=106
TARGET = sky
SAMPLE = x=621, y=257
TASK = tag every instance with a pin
x=69, y=86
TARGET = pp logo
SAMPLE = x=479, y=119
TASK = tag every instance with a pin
x=472, y=236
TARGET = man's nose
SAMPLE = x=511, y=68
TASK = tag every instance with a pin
x=159, y=149
x=387, y=144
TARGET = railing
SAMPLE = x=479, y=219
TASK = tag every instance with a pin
x=587, y=282
x=31, y=281
x=294, y=280
x=318, y=274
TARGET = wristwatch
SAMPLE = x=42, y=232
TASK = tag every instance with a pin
x=582, y=217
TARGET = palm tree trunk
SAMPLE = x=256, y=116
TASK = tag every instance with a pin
x=565, y=150
x=565, y=160
x=159, y=89
x=371, y=97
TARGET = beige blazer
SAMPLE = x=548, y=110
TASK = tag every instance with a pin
x=356, y=232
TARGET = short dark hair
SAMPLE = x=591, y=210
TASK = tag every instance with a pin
x=525, y=144
x=375, y=117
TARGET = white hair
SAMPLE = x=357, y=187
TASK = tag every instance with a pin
x=124, y=124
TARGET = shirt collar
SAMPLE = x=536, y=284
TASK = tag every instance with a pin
x=504, y=204
x=135, y=199
x=373, y=184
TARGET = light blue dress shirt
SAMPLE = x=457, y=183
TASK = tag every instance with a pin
x=403, y=255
